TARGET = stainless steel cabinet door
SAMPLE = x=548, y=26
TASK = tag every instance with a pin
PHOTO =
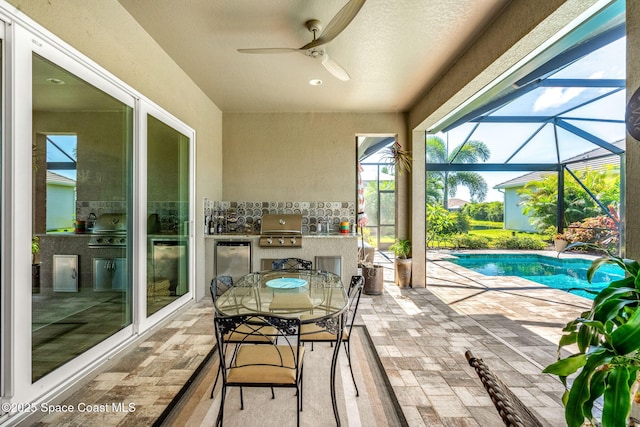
x=65, y=273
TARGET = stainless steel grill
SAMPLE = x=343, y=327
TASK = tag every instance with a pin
x=281, y=230
x=109, y=230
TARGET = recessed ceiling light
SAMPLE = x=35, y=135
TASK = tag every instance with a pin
x=315, y=82
x=55, y=81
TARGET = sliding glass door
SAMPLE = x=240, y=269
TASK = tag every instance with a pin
x=81, y=182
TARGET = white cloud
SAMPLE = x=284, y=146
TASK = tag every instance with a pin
x=555, y=96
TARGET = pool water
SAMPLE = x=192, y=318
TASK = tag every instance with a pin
x=568, y=274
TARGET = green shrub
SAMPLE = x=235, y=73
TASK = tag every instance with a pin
x=470, y=241
x=520, y=242
x=462, y=222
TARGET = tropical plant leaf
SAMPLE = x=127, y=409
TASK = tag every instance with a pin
x=626, y=338
x=615, y=288
x=580, y=391
x=566, y=366
x=597, y=386
x=568, y=339
x=610, y=309
x=617, y=400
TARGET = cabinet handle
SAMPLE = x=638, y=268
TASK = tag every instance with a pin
x=74, y=273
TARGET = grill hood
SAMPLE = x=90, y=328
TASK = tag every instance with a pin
x=281, y=230
x=281, y=224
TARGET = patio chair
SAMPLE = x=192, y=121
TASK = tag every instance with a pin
x=291, y=263
x=275, y=365
x=509, y=406
x=313, y=333
x=219, y=284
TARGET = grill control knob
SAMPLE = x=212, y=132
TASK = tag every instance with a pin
x=281, y=240
x=269, y=241
x=293, y=240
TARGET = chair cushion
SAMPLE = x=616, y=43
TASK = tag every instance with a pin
x=261, y=364
x=313, y=332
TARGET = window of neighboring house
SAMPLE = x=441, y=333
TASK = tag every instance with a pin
x=61, y=182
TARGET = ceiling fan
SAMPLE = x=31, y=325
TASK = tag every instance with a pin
x=316, y=48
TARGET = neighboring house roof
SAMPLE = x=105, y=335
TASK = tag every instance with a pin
x=456, y=204
x=54, y=178
x=581, y=162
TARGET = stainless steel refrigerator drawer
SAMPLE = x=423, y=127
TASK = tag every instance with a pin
x=232, y=258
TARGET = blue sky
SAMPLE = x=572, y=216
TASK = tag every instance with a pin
x=503, y=139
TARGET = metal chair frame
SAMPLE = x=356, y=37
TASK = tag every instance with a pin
x=219, y=284
x=311, y=334
x=285, y=356
x=291, y=264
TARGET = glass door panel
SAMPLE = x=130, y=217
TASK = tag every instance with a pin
x=81, y=162
x=168, y=201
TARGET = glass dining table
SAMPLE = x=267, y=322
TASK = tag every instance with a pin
x=313, y=296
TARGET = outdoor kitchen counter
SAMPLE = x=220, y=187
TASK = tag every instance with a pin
x=340, y=245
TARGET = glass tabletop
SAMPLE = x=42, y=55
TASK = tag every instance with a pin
x=310, y=295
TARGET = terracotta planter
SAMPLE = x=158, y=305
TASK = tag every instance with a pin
x=373, y=280
x=560, y=244
x=403, y=272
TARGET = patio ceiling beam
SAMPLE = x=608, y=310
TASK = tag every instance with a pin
x=588, y=136
x=492, y=167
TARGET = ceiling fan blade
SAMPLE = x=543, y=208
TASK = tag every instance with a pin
x=337, y=24
x=269, y=50
x=334, y=68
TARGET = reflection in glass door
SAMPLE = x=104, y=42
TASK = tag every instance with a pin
x=168, y=204
x=81, y=161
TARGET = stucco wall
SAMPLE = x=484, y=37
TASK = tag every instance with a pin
x=633, y=146
x=514, y=218
x=106, y=33
x=301, y=156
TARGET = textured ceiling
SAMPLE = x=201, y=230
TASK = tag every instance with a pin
x=393, y=50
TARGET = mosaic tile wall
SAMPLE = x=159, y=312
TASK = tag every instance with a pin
x=248, y=213
x=168, y=212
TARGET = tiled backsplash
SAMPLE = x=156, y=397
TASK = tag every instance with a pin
x=169, y=213
x=249, y=213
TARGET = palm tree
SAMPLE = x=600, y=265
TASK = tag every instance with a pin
x=468, y=152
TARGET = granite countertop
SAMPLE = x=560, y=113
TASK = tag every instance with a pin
x=309, y=235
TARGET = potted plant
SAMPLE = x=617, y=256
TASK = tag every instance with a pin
x=402, y=251
x=400, y=158
x=560, y=241
x=607, y=360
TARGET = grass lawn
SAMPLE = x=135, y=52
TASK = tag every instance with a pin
x=493, y=230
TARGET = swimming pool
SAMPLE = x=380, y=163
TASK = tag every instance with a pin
x=568, y=274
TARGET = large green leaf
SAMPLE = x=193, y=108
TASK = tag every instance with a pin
x=580, y=390
x=566, y=366
x=567, y=339
x=615, y=288
x=596, y=384
x=609, y=309
x=617, y=398
x=626, y=339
